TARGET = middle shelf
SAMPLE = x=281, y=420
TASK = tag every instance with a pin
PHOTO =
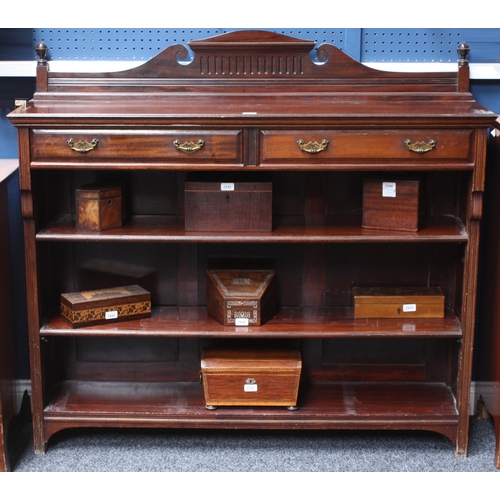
x=289, y=322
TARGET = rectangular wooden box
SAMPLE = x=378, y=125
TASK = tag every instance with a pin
x=405, y=302
x=107, y=305
x=241, y=297
x=98, y=207
x=228, y=205
x=394, y=205
x=251, y=377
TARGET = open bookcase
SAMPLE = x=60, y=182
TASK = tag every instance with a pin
x=316, y=126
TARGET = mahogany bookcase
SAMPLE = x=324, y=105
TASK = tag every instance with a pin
x=316, y=122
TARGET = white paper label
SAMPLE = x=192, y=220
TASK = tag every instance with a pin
x=408, y=327
x=111, y=314
x=388, y=189
x=227, y=186
x=409, y=308
x=250, y=388
x=241, y=321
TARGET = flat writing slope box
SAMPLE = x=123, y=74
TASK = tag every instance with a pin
x=241, y=297
x=394, y=205
x=251, y=377
x=107, y=305
x=398, y=302
x=228, y=206
x=98, y=207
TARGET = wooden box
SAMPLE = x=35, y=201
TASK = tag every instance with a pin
x=393, y=205
x=228, y=205
x=107, y=305
x=241, y=297
x=98, y=207
x=411, y=302
x=251, y=377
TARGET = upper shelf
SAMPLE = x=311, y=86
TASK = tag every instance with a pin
x=170, y=229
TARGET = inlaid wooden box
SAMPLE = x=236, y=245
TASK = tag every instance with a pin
x=393, y=204
x=98, y=207
x=241, y=297
x=405, y=302
x=228, y=205
x=251, y=377
x=107, y=305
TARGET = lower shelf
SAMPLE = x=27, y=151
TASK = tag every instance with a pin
x=419, y=406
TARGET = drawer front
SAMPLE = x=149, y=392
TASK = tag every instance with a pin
x=170, y=147
x=330, y=147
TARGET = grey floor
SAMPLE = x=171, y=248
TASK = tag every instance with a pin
x=132, y=450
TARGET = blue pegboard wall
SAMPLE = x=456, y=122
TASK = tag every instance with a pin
x=427, y=45
x=366, y=45
x=143, y=44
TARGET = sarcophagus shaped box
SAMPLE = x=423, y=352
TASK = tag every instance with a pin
x=251, y=377
x=106, y=305
x=381, y=302
x=393, y=205
x=241, y=297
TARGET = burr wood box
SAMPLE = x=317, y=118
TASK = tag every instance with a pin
x=251, y=377
x=411, y=302
x=107, y=305
x=225, y=204
x=98, y=207
x=393, y=204
x=241, y=297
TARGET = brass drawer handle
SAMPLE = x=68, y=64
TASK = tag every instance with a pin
x=420, y=146
x=83, y=146
x=189, y=147
x=312, y=147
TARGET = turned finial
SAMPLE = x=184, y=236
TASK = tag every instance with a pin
x=463, y=50
x=41, y=50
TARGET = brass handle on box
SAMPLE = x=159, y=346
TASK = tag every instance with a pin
x=83, y=146
x=189, y=146
x=420, y=146
x=312, y=147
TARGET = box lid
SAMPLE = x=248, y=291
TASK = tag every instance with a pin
x=376, y=295
x=96, y=298
x=249, y=359
x=241, y=283
x=98, y=191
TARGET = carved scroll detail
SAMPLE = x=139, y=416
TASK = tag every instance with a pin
x=312, y=147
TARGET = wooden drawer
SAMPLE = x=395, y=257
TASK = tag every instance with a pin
x=367, y=147
x=170, y=147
